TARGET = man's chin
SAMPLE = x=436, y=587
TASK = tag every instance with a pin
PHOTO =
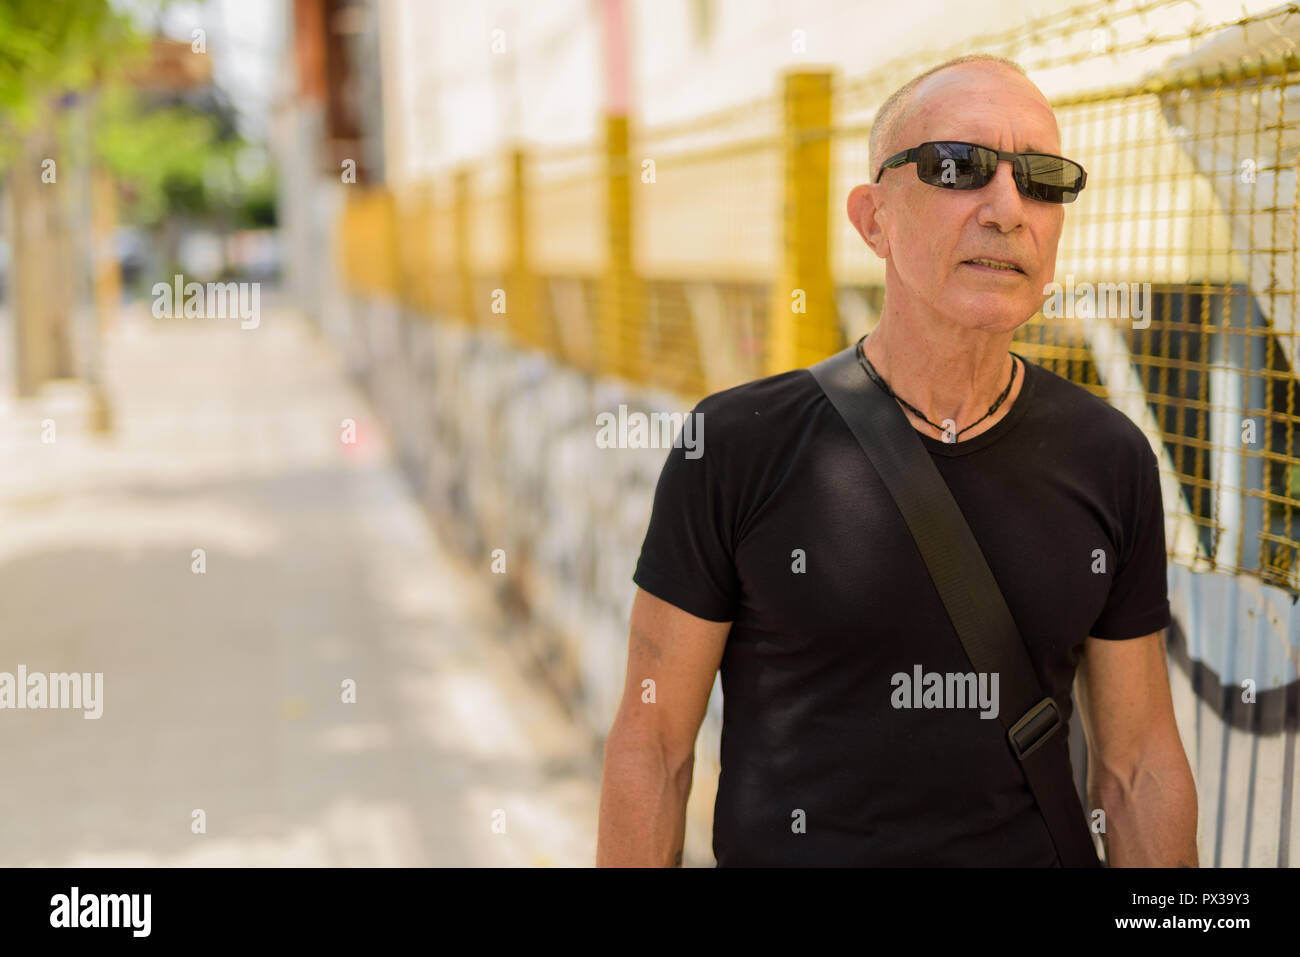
x=994, y=313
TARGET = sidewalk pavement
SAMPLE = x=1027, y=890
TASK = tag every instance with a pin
x=223, y=690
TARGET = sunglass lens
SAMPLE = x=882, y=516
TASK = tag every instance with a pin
x=954, y=165
x=1051, y=179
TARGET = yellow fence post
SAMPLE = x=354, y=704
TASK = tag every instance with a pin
x=394, y=234
x=421, y=237
x=804, y=326
x=441, y=250
x=618, y=336
x=524, y=320
x=387, y=266
x=406, y=251
x=460, y=226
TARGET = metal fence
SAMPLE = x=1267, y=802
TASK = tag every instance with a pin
x=669, y=257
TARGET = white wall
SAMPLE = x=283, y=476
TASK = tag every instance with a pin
x=451, y=98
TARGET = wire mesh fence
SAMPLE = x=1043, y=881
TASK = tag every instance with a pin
x=694, y=257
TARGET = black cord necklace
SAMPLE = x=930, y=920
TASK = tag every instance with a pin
x=875, y=376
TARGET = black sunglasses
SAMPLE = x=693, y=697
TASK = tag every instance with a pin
x=949, y=165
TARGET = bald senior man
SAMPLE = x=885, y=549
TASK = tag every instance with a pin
x=779, y=555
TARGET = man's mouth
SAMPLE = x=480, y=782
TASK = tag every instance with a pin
x=1001, y=264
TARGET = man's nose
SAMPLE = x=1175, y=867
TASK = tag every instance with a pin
x=1003, y=204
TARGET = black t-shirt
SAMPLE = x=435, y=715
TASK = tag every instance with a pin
x=783, y=527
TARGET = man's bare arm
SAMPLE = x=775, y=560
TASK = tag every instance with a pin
x=1137, y=768
x=650, y=751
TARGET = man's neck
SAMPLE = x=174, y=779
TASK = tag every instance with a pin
x=946, y=378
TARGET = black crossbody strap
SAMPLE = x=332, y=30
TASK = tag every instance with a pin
x=974, y=602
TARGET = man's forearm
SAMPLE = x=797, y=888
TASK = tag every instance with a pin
x=642, y=805
x=1150, y=814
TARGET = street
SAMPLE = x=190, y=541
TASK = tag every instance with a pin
x=295, y=671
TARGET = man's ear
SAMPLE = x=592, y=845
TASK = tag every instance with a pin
x=864, y=205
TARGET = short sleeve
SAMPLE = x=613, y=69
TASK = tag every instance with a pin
x=687, y=558
x=1138, y=603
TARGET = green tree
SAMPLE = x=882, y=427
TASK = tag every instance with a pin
x=159, y=156
x=48, y=48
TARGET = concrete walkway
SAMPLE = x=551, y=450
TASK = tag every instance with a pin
x=222, y=691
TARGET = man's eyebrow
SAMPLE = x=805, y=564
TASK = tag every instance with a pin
x=1031, y=148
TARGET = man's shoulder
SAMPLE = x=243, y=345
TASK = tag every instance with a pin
x=780, y=401
x=1086, y=417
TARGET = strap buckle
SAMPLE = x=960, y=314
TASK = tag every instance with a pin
x=1029, y=733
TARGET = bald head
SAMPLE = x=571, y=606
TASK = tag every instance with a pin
x=892, y=130
x=937, y=275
